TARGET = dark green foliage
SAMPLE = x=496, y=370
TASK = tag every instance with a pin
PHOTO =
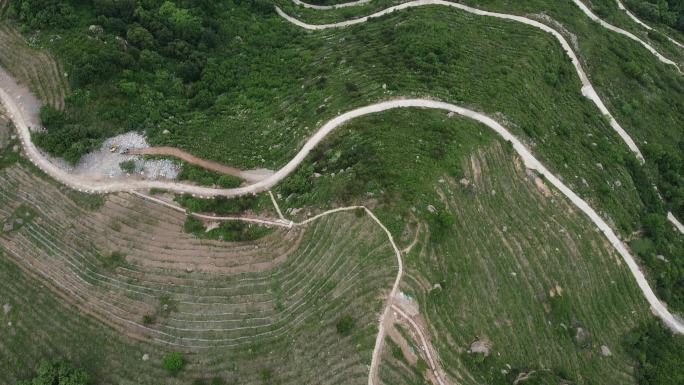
x=58, y=374
x=220, y=206
x=128, y=166
x=668, y=12
x=114, y=260
x=232, y=231
x=206, y=177
x=345, y=325
x=266, y=375
x=45, y=13
x=659, y=355
x=173, y=363
x=659, y=238
x=441, y=223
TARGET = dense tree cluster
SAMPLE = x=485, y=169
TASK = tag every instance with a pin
x=659, y=355
x=148, y=53
x=668, y=12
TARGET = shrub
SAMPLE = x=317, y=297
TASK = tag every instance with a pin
x=345, y=325
x=128, y=166
x=173, y=363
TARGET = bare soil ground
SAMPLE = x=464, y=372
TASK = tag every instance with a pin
x=250, y=176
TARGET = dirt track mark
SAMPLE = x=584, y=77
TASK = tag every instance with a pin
x=204, y=163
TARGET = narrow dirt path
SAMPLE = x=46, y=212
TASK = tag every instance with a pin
x=641, y=23
x=579, y=3
x=621, y=31
x=187, y=157
x=250, y=176
x=427, y=347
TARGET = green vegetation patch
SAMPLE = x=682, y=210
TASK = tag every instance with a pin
x=20, y=217
x=231, y=231
x=58, y=374
x=204, y=177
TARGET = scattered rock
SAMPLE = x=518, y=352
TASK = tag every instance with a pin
x=190, y=268
x=605, y=351
x=431, y=209
x=145, y=357
x=600, y=166
x=96, y=29
x=618, y=183
x=581, y=335
x=662, y=258
x=384, y=86
x=464, y=182
x=15, y=148
x=166, y=132
x=436, y=286
x=6, y=308
x=481, y=347
x=493, y=192
x=451, y=114
x=316, y=175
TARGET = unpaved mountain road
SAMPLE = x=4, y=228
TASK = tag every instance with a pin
x=9, y=92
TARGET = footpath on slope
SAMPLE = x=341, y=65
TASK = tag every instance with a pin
x=641, y=23
x=621, y=31
x=579, y=4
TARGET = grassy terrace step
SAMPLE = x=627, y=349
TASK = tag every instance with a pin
x=523, y=270
x=35, y=68
x=260, y=319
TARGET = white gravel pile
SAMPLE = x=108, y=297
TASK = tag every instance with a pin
x=105, y=163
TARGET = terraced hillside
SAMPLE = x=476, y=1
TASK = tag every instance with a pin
x=527, y=275
x=268, y=305
x=35, y=68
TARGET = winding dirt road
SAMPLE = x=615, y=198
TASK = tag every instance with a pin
x=621, y=31
x=23, y=120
